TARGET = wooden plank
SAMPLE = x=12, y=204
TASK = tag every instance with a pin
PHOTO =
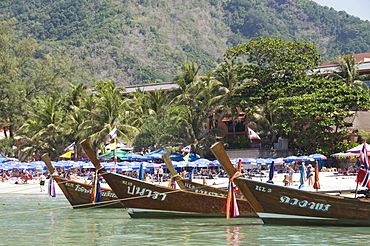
x=173, y=171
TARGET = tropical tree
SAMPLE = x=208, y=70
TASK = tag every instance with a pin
x=27, y=73
x=44, y=130
x=196, y=106
x=108, y=112
x=319, y=123
x=348, y=72
x=276, y=84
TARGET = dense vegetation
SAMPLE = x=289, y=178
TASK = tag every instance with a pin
x=265, y=77
x=62, y=62
x=143, y=41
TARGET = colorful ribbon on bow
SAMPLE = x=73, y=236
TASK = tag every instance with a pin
x=51, y=187
x=172, y=183
x=231, y=206
x=96, y=192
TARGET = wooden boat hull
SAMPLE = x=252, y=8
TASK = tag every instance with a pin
x=155, y=213
x=203, y=189
x=158, y=201
x=79, y=194
x=284, y=205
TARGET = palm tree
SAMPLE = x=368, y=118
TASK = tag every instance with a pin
x=108, y=111
x=44, y=129
x=196, y=105
x=188, y=73
x=348, y=72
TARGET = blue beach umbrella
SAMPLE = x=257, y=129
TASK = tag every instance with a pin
x=261, y=161
x=305, y=158
x=318, y=156
x=133, y=157
x=291, y=158
x=249, y=161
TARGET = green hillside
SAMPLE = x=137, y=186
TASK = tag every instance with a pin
x=143, y=41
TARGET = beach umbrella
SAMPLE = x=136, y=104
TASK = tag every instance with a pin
x=119, y=154
x=133, y=157
x=302, y=176
x=202, y=162
x=214, y=163
x=290, y=158
x=277, y=161
x=358, y=149
x=104, y=159
x=318, y=156
x=271, y=173
x=305, y=158
x=344, y=155
x=192, y=157
x=261, y=161
x=249, y=160
x=176, y=156
x=316, y=184
x=156, y=154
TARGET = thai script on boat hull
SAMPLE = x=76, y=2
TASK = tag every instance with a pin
x=197, y=190
x=136, y=190
x=305, y=204
x=83, y=189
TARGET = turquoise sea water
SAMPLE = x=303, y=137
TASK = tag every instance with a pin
x=43, y=220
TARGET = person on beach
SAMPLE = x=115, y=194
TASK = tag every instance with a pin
x=290, y=174
x=286, y=180
x=160, y=175
x=310, y=175
x=42, y=179
x=4, y=177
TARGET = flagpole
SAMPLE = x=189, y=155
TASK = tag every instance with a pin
x=115, y=154
x=356, y=190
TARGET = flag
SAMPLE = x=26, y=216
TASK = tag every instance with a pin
x=67, y=155
x=70, y=147
x=363, y=178
x=113, y=134
x=186, y=158
x=363, y=175
x=51, y=187
x=112, y=146
x=363, y=156
x=186, y=149
x=252, y=134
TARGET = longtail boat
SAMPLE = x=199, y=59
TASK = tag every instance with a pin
x=147, y=200
x=186, y=184
x=79, y=194
x=288, y=206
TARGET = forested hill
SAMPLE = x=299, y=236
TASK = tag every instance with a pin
x=146, y=41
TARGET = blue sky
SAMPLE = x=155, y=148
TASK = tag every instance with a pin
x=359, y=8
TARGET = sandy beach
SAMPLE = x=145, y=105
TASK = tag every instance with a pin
x=328, y=182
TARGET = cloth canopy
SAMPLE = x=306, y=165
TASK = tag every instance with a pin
x=119, y=153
